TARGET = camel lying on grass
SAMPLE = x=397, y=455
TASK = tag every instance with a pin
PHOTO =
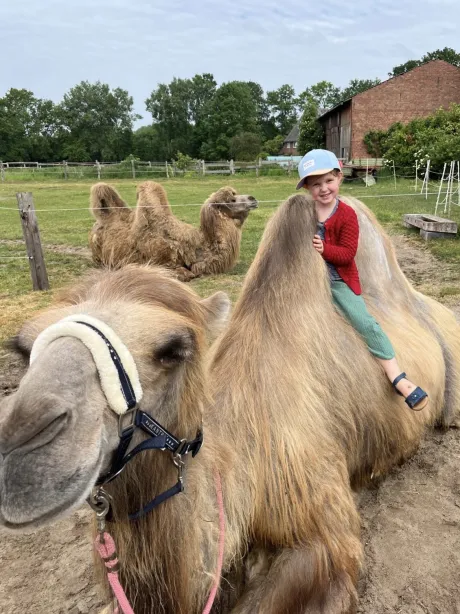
x=152, y=234
x=294, y=409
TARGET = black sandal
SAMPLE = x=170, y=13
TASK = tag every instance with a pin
x=417, y=399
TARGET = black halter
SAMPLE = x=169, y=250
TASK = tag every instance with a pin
x=160, y=438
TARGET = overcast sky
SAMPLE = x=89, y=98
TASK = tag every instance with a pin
x=48, y=46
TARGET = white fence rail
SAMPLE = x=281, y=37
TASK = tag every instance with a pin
x=136, y=169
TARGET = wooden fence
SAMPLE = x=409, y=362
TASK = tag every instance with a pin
x=135, y=169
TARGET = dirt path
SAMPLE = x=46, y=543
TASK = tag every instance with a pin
x=411, y=523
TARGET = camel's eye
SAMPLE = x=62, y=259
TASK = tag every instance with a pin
x=175, y=349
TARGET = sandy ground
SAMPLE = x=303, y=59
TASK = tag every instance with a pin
x=411, y=522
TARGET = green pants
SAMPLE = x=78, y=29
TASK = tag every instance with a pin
x=354, y=309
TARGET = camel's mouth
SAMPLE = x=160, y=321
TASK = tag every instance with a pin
x=55, y=509
x=253, y=205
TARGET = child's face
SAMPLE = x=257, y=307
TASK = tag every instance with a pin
x=324, y=188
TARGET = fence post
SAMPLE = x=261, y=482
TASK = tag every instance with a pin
x=2, y=171
x=65, y=168
x=203, y=167
x=232, y=167
x=98, y=166
x=167, y=173
x=257, y=169
x=32, y=239
x=289, y=169
x=133, y=169
x=174, y=168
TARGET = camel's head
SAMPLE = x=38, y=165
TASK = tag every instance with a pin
x=58, y=432
x=233, y=205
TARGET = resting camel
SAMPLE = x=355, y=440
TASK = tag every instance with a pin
x=295, y=414
x=150, y=233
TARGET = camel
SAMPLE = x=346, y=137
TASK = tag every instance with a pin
x=296, y=414
x=150, y=233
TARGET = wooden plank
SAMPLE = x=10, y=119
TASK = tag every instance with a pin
x=430, y=223
x=428, y=235
x=32, y=239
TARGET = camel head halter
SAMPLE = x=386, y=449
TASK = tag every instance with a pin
x=121, y=386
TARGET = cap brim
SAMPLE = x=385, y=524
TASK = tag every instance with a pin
x=320, y=171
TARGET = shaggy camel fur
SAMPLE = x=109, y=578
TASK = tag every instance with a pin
x=292, y=425
x=152, y=234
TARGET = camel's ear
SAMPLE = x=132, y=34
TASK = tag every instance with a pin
x=217, y=308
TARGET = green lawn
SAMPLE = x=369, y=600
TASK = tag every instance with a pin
x=64, y=220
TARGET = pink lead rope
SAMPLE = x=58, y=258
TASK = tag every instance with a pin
x=220, y=558
x=105, y=547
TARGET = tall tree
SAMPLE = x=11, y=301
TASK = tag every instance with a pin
x=447, y=54
x=232, y=110
x=311, y=134
x=27, y=127
x=356, y=86
x=97, y=122
x=179, y=109
x=323, y=94
x=245, y=146
x=170, y=109
x=283, y=108
x=147, y=144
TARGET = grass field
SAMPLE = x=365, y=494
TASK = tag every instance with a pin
x=64, y=221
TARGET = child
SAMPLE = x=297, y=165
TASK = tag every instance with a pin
x=337, y=241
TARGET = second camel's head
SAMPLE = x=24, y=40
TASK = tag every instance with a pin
x=231, y=204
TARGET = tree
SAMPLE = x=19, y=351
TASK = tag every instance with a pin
x=403, y=68
x=171, y=113
x=179, y=110
x=273, y=146
x=311, y=134
x=97, y=122
x=447, y=54
x=245, y=146
x=323, y=94
x=356, y=86
x=282, y=104
x=147, y=144
x=27, y=127
x=232, y=110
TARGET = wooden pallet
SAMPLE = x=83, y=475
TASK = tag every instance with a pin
x=431, y=226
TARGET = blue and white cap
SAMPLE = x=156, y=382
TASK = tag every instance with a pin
x=317, y=162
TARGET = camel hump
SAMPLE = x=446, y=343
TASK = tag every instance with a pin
x=105, y=201
x=152, y=201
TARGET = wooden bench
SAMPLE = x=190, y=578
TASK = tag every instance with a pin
x=431, y=226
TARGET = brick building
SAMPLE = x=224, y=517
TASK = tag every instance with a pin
x=417, y=93
x=290, y=142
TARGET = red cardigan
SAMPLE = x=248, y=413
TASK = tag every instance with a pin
x=340, y=244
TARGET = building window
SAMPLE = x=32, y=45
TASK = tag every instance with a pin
x=295, y=145
x=288, y=145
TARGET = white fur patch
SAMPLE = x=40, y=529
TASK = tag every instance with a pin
x=110, y=382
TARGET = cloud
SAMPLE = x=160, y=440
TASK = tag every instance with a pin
x=136, y=44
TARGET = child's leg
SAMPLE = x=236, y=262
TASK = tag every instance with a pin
x=354, y=309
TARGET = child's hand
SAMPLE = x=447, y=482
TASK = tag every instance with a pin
x=318, y=244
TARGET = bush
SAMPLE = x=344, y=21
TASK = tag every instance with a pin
x=435, y=138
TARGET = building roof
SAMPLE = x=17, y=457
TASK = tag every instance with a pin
x=345, y=102
x=293, y=136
